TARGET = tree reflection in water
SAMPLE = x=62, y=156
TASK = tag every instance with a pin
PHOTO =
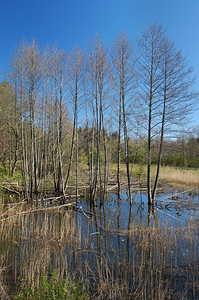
x=118, y=250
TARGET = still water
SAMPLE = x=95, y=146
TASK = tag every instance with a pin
x=119, y=251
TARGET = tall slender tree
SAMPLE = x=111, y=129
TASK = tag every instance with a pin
x=122, y=75
x=58, y=73
x=26, y=63
x=97, y=69
x=177, y=95
x=165, y=89
x=150, y=79
x=75, y=77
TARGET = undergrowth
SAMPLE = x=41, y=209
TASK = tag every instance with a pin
x=52, y=287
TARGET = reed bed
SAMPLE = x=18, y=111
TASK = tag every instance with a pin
x=179, y=176
x=168, y=175
x=143, y=262
x=156, y=264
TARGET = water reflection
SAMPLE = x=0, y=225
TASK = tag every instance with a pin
x=118, y=250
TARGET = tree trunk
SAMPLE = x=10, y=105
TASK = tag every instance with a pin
x=150, y=200
x=126, y=146
x=71, y=151
x=119, y=149
x=161, y=137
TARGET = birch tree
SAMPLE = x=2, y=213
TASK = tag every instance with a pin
x=74, y=82
x=58, y=74
x=97, y=69
x=122, y=76
x=150, y=82
x=177, y=95
x=166, y=90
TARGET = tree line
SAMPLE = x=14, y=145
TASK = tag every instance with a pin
x=125, y=98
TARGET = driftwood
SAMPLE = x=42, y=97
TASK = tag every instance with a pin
x=169, y=215
x=178, y=194
x=9, y=190
x=15, y=205
x=79, y=187
x=39, y=210
x=84, y=212
x=164, y=200
x=112, y=187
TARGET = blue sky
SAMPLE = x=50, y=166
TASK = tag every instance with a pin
x=70, y=22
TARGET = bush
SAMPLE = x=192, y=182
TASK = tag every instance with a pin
x=52, y=288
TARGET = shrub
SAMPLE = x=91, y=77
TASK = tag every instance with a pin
x=52, y=288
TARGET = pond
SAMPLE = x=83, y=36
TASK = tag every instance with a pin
x=119, y=251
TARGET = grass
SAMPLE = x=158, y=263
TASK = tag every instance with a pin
x=168, y=175
x=52, y=287
x=149, y=262
x=179, y=176
x=38, y=236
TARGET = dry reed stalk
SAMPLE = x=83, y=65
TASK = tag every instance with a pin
x=180, y=176
x=37, y=210
x=149, y=258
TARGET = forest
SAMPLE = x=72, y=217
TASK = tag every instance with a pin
x=127, y=103
x=99, y=171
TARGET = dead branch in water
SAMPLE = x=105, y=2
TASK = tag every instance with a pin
x=9, y=190
x=170, y=215
x=47, y=209
x=176, y=195
x=16, y=204
x=84, y=212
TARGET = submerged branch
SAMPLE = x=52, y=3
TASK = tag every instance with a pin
x=46, y=209
x=170, y=215
x=9, y=190
x=176, y=195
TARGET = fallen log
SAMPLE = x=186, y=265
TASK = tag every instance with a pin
x=39, y=210
x=181, y=193
x=16, y=204
x=170, y=216
x=9, y=190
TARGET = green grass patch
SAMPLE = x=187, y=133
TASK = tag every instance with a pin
x=52, y=288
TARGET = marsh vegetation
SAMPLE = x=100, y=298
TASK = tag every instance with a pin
x=116, y=251
x=93, y=155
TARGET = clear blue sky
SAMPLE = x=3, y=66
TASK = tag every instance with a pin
x=71, y=22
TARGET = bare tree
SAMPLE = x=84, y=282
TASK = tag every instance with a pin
x=150, y=79
x=177, y=95
x=58, y=73
x=97, y=69
x=17, y=77
x=32, y=63
x=165, y=89
x=122, y=76
x=75, y=75
x=37, y=114
x=26, y=69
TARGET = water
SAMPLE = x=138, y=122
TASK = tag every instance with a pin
x=134, y=251
x=176, y=212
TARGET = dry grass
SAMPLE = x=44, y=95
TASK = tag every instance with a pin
x=3, y=287
x=170, y=175
x=149, y=262
x=38, y=236
x=157, y=263
x=179, y=176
